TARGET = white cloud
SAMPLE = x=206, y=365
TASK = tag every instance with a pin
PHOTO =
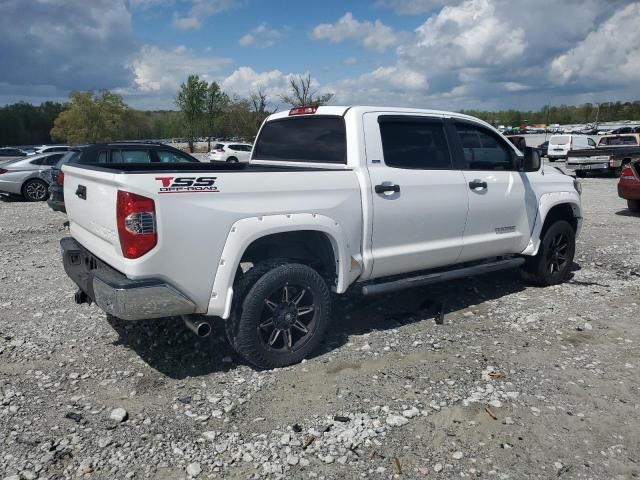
x=350, y=61
x=610, y=54
x=372, y=35
x=471, y=34
x=245, y=80
x=199, y=11
x=262, y=37
x=161, y=71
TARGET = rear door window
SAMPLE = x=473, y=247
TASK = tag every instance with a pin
x=165, y=156
x=130, y=156
x=53, y=159
x=319, y=139
x=414, y=143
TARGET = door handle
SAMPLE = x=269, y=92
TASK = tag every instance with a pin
x=474, y=184
x=387, y=188
x=81, y=192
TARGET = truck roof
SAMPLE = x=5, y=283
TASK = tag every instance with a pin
x=342, y=110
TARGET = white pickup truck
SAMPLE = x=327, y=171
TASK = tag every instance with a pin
x=333, y=198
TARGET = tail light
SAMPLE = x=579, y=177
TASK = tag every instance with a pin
x=627, y=173
x=2, y=170
x=303, y=110
x=136, y=217
x=60, y=178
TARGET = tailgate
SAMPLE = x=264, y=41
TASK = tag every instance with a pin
x=90, y=199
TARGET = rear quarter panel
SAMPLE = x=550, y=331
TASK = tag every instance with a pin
x=193, y=227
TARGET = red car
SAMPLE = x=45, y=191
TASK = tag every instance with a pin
x=629, y=186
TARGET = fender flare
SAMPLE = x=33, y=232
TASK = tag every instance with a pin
x=247, y=230
x=546, y=203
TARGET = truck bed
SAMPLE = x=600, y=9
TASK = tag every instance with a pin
x=193, y=226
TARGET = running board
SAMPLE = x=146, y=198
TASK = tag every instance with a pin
x=428, y=279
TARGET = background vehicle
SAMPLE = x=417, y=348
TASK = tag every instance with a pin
x=519, y=141
x=418, y=197
x=230, y=152
x=7, y=153
x=629, y=186
x=559, y=145
x=22, y=176
x=50, y=149
x=117, y=152
x=610, y=157
x=543, y=148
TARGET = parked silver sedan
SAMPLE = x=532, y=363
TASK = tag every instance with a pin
x=21, y=176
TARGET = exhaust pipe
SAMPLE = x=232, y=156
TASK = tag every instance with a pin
x=198, y=325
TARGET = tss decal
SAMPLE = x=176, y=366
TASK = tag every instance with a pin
x=187, y=184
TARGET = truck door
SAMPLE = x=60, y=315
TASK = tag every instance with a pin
x=420, y=200
x=502, y=204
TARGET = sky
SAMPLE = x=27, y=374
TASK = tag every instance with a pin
x=451, y=55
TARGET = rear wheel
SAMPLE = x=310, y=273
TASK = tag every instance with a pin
x=581, y=174
x=283, y=315
x=634, y=205
x=35, y=190
x=552, y=264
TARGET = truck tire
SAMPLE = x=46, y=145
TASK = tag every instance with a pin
x=581, y=174
x=634, y=205
x=281, y=312
x=552, y=264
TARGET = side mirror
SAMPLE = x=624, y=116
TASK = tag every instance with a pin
x=532, y=160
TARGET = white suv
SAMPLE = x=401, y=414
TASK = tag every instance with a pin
x=230, y=152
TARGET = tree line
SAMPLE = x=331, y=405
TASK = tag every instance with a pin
x=207, y=111
x=563, y=114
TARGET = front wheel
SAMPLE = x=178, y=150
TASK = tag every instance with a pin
x=232, y=160
x=283, y=315
x=634, y=205
x=552, y=264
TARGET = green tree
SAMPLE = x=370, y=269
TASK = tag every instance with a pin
x=216, y=102
x=90, y=118
x=302, y=93
x=191, y=100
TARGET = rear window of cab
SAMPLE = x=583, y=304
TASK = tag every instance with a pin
x=320, y=139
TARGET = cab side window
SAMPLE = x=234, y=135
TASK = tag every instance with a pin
x=591, y=142
x=130, y=156
x=414, y=144
x=483, y=150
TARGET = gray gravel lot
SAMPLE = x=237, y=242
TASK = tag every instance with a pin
x=520, y=382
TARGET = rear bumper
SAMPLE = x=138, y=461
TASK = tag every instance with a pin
x=118, y=295
x=8, y=186
x=56, y=206
x=629, y=190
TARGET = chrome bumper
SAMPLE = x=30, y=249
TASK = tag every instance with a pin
x=118, y=295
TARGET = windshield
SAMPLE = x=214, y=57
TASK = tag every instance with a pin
x=629, y=140
x=68, y=157
x=560, y=140
x=319, y=138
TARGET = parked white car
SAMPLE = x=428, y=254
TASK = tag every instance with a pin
x=371, y=199
x=560, y=145
x=230, y=152
x=50, y=149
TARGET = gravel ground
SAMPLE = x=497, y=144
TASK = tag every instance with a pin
x=520, y=382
